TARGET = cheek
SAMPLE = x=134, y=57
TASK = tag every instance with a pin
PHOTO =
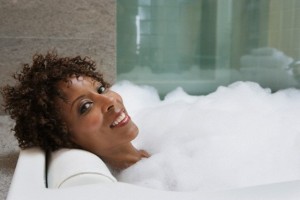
x=87, y=127
x=94, y=122
x=95, y=126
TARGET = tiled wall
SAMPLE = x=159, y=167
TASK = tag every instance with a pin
x=72, y=27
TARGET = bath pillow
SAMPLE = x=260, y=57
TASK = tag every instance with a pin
x=73, y=167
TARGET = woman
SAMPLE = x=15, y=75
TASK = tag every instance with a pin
x=62, y=102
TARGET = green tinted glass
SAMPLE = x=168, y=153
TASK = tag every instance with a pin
x=201, y=44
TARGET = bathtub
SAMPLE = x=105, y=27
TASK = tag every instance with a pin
x=29, y=182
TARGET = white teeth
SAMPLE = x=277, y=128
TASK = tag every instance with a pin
x=119, y=119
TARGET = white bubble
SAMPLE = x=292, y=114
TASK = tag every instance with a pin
x=240, y=135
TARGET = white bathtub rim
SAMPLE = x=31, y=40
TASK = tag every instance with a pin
x=29, y=182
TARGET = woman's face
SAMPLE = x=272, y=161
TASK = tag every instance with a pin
x=95, y=116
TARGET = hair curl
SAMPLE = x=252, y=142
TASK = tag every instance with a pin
x=31, y=102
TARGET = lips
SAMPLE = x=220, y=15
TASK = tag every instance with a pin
x=121, y=120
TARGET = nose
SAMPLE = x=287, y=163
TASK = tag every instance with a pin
x=107, y=102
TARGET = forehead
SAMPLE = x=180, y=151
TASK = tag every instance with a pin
x=73, y=85
x=73, y=82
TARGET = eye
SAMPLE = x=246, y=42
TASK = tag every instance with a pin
x=101, y=89
x=85, y=107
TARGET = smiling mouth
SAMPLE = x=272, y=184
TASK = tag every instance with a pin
x=121, y=120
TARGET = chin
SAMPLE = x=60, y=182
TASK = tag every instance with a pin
x=135, y=132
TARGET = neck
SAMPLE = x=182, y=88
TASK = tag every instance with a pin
x=124, y=157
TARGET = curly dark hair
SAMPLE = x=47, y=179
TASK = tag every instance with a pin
x=31, y=102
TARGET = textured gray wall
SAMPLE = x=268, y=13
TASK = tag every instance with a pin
x=72, y=27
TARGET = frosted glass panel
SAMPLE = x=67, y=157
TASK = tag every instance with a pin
x=201, y=44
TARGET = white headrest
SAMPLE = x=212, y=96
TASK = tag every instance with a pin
x=73, y=167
